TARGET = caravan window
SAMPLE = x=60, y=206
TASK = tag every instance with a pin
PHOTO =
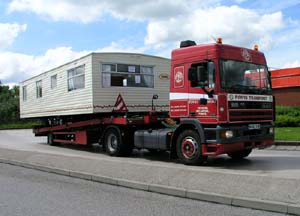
x=24, y=93
x=39, y=89
x=76, y=78
x=127, y=75
x=53, y=81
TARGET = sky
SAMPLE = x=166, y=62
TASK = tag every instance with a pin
x=37, y=35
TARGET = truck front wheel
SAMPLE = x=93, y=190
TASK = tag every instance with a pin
x=188, y=148
x=240, y=154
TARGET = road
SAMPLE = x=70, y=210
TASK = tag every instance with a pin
x=29, y=192
x=272, y=163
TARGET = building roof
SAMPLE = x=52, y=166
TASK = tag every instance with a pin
x=286, y=78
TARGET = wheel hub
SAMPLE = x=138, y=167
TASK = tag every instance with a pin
x=112, y=142
x=189, y=147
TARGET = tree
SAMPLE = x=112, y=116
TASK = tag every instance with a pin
x=9, y=104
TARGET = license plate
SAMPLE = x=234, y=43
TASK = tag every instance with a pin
x=254, y=126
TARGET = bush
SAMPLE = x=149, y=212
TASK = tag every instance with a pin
x=288, y=110
x=9, y=104
x=287, y=121
x=20, y=125
x=287, y=116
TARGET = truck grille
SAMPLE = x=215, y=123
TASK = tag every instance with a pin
x=250, y=115
x=250, y=111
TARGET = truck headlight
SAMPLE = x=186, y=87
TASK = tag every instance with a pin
x=228, y=134
x=271, y=130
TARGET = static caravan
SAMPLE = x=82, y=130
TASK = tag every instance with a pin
x=97, y=83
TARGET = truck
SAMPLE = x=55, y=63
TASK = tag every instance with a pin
x=215, y=99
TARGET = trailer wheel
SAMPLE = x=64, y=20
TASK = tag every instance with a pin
x=50, y=140
x=115, y=145
x=240, y=154
x=188, y=148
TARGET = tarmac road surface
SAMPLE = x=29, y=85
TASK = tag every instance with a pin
x=272, y=163
x=267, y=180
x=25, y=192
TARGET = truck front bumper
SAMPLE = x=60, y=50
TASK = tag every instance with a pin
x=241, y=137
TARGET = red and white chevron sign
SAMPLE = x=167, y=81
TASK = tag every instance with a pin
x=120, y=105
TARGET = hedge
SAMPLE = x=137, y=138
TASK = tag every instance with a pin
x=287, y=116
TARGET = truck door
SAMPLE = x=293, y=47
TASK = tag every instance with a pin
x=201, y=98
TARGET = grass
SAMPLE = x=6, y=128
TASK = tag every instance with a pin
x=19, y=125
x=287, y=133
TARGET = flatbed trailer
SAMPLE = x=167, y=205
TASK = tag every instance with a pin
x=92, y=130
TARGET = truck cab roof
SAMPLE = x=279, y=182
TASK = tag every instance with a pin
x=216, y=50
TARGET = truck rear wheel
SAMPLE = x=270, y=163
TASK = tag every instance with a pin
x=50, y=139
x=115, y=145
x=188, y=148
x=240, y=154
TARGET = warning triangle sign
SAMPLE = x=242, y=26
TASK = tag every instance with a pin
x=120, y=105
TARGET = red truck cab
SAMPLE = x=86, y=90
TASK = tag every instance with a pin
x=221, y=96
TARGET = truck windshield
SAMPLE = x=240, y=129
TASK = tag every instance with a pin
x=244, y=77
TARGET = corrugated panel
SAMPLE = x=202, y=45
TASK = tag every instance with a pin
x=285, y=78
x=285, y=72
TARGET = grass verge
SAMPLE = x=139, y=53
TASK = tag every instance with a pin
x=19, y=125
x=287, y=133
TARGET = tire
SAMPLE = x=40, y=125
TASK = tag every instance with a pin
x=238, y=155
x=50, y=140
x=114, y=144
x=188, y=148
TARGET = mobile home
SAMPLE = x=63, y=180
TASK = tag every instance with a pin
x=93, y=84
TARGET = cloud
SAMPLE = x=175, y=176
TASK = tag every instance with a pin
x=234, y=24
x=8, y=33
x=57, y=10
x=116, y=47
x=155, y=9
x=239, y=1
x=293, y=64
x=168, y=21
x=16, y=67
x=91, y=10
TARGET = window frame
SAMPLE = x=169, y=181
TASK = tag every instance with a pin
x=74, y=77
x=39, y=89
x=24, y=93
x=51, y=81
x=264, y=80
x=136, y=74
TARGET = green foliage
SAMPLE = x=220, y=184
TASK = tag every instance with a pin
x=288, y=110
x=20, y=125
x=287, y=116
x=9, y=109
x=9, y=104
